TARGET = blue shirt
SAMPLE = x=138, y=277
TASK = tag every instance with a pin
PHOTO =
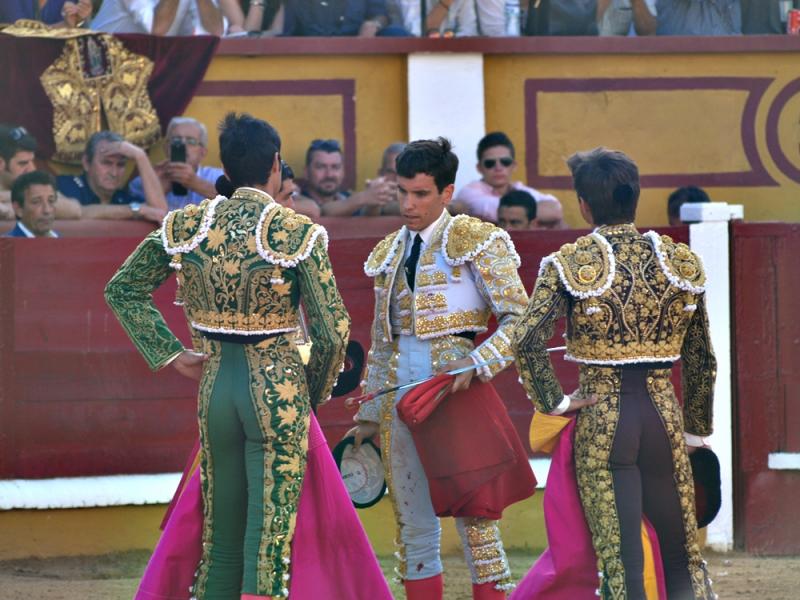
x=20, y=231
x=11, y=10
x=699, y=17
x=174, y=202
x=330, y=18
x=76, y=186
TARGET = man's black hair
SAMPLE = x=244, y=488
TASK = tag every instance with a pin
x=247, y=148
x=23, y=182
x=683, y=195
x=431, y=157
x=329, y=146
x=520, y=198
x=495, y=138
x=608, y=181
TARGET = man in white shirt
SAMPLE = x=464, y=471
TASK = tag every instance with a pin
x=159, y=17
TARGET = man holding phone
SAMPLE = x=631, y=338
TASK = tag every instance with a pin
x=184, y=179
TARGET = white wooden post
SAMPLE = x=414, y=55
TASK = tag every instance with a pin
x=709, y=236
x=445, y=98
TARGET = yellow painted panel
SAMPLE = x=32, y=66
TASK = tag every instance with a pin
x=381, y=102
x=505, y=78
x=667, y=131
x=298, y=119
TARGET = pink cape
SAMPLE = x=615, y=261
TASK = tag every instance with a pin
x=331, y=555
x=567, y=569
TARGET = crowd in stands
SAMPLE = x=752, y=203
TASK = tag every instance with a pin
x=392, y=18
x=102, y=191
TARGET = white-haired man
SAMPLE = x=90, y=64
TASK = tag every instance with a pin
x=198, y=180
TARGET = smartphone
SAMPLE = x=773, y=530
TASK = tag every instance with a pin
x=177, y=153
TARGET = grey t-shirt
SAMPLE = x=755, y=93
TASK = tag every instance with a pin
x=761, y=16
x=699, y=17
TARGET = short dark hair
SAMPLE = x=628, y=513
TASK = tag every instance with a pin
x=247, y=148
x=286, y=171
x=608, y=181
x=23, y=182
x=329, y=146
x=100, y=136
x=13, y=139
x=495, y=138
x=520, y=198
x=431, y=157
x=683, y=195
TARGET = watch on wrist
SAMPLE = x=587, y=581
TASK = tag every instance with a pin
x=136, y=207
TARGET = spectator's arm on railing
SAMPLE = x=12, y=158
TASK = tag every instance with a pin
x=211, y=17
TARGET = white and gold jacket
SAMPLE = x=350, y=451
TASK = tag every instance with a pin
x=466, y=273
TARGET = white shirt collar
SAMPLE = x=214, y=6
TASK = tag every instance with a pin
x=29, y=234
x=427, y=233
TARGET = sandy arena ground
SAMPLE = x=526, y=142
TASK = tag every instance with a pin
x=114, y=577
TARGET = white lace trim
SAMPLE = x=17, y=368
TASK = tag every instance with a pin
x=612, y=270
x=431, y=311
x=502, y=335
x=622, y=361
x=200, y=327
x=428, y=267
x=469, y=256
x=434, y=286
x=398, y=238
x=202, y=232
x=268, y=255
x=662, y=262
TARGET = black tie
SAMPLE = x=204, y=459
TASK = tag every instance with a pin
x=412, y=260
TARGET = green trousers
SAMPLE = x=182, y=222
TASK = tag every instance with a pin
x=253, y=415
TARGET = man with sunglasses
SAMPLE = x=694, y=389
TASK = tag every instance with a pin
x=324, y=178
x=496, y=164
x=17, y=157
x=197, y=180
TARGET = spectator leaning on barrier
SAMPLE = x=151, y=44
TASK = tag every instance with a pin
x=324, y=178
x=17, y=157
x=387, y=177
x=363, y=18
x=265, y=17
x=699, y=17
x=159, y=17
x=450, y=17
x=101, y=188
x=58, y=13
x=197, y=180
x=34, y=199
x=680, y=197
x=517, y=211
x=496, y=164
x=618, y=17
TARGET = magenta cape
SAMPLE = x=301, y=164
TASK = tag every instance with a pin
x=331, y=555
x=567, y=570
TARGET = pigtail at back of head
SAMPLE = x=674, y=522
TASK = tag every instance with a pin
x=224, y=186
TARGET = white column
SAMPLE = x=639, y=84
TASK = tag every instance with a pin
x=709, y=237
x=445, y=98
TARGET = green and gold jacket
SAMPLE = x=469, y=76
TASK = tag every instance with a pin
x=628, y=298
x=243, y=265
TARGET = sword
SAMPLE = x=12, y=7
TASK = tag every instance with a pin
x=358, y=400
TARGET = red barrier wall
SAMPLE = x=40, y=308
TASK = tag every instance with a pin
x=75, y=397
x=767, y=384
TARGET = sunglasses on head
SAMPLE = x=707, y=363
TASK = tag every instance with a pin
x=489, y=163
x=17, y=133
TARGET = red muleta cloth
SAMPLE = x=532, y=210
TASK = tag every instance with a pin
x=473, y=458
